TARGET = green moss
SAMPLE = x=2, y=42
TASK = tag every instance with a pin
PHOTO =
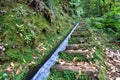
x=98, y=55
x=70, y=56
x=66, y=75
x=102, y=74
x=13, y=54
x=22, y=30
x=74, y=41
x=21, y=75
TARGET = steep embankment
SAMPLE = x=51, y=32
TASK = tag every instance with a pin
x=28, y=34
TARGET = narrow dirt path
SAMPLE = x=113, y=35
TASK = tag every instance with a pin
x=79, y=55
x=79, y=49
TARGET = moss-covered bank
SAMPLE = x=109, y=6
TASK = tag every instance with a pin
x=27, y=37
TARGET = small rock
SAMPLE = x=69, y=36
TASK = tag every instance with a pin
x=3, y=12
x=118, y=78
x=2, y=48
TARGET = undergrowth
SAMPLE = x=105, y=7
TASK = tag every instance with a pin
x=28, y=37
x=66, y=75
x=71, y=56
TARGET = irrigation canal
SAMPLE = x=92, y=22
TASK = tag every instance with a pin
x=44, y=70
x=77, y=53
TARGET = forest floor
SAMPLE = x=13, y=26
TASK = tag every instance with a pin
x=88, y=56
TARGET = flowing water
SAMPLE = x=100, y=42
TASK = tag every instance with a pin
x=44, y=71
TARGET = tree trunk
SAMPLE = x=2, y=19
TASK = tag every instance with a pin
x=40, y=6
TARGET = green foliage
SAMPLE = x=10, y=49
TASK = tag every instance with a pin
x=76, y=7
x=102, y=74
x=16, y=55
x=109, y=22
x=23, y=31
x=96, y=7
x=21, y=12
x=67, y=56
x=21, y=75
x=21, y=28
x=66, y=75
x=98, y=55
x=4, y=76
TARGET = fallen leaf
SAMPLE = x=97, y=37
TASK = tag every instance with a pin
x=60, y=61
x=91, y=64
x=9, y=69
x=19, y=70
x=12, y=64
x=31, y=63
x=118, y=78
x=75, y=59
x=80, y=72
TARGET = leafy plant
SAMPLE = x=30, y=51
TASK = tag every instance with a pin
x=102, y=75
x=76, y=6
x=67, y=56
x=108, y=23
x=21, y=12
x=4, y=76
x=66, y=75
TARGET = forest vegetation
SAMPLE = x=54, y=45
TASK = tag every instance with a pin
x=31, y=29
